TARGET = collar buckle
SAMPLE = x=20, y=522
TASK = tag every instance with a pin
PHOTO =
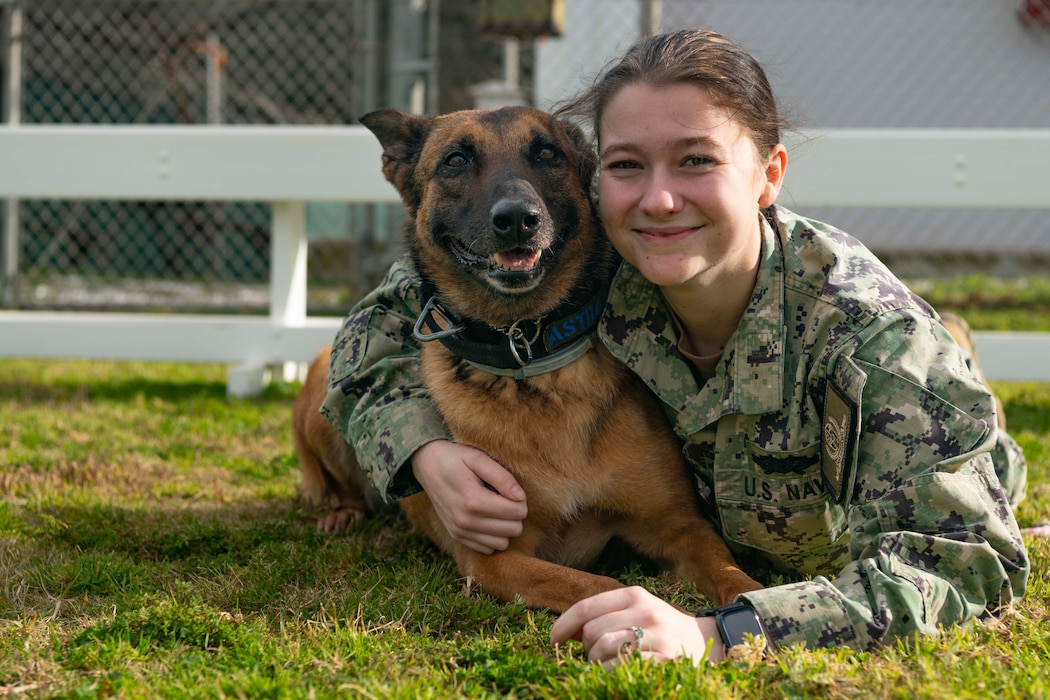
x=432, y=308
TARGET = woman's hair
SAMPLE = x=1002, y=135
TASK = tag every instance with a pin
x=735, y=80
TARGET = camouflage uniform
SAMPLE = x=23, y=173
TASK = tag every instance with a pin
x=842, y=441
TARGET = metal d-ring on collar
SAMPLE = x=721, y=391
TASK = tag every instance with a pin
x=517, y=340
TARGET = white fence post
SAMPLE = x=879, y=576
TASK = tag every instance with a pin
x=288, y=249
x=288, y=272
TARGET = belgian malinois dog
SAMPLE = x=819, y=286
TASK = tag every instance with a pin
x=515, y=266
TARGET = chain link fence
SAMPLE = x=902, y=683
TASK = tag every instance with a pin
x=211, y=62
x=890, y=63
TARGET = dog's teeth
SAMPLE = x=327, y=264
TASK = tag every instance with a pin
x=516, y=259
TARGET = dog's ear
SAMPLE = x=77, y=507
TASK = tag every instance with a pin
x=402, y=135
x=586, y=158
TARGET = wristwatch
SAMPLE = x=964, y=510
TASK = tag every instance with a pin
x=734, y=621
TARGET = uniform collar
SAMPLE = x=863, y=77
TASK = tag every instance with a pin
x=638, y=329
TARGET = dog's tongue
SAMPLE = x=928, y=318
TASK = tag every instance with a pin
x=517, y=259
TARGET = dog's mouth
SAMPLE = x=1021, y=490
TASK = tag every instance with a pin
x=516, y=261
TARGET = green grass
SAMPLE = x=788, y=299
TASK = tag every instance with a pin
x=992, y=303
x=151, y=545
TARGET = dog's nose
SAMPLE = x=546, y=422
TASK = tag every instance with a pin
x=516, y=219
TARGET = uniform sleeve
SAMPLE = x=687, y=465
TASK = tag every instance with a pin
x=376, y=399
x=933, y=539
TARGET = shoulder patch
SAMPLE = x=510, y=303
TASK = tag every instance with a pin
x=839, y=437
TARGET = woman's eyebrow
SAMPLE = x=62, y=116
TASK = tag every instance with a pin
x=684, y=143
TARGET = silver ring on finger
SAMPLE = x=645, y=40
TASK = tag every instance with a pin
x=632, y=645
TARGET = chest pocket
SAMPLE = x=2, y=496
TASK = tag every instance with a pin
x=779, y=503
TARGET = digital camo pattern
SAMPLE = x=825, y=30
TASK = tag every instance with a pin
x=842, y=441
x=376, y=399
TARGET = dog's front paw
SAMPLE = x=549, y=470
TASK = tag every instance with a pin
x=735, y=582
x=339, y=520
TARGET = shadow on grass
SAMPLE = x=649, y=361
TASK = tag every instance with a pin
x=273, y=564
x=256, y=556
x=248, y=555
x=120, y=390
x=180, y=533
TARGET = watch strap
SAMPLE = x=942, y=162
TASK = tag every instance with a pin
x=734, y=621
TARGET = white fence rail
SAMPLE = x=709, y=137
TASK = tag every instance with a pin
x=288, y=166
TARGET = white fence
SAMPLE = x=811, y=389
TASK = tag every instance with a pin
x=288, y=166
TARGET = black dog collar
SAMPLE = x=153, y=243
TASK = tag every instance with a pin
x=524, y=348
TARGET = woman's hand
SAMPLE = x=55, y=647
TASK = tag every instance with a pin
x=608, y=624
x=479, y=502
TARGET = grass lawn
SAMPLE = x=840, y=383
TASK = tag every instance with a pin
x=151, y=546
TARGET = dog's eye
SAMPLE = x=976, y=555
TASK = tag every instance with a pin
x=546, y=153
x=456, y=160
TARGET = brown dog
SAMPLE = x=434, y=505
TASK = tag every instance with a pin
x=504, y=233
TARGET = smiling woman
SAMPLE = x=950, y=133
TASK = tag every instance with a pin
x=799, y=340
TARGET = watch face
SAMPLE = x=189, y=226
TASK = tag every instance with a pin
x=734, y=625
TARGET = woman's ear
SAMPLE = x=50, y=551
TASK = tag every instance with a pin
x=776, y=167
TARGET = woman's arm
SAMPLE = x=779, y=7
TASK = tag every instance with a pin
x=377, y=402
x=376, y=398
x=933, y=540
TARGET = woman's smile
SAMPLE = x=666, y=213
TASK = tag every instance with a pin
x=658, y=234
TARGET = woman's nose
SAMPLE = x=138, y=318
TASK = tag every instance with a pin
x=659, y=198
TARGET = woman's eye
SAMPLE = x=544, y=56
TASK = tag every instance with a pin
x=622, y=165
x=456, y=160
x=694, y=161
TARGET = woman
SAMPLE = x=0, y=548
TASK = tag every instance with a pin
x=824, y=409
